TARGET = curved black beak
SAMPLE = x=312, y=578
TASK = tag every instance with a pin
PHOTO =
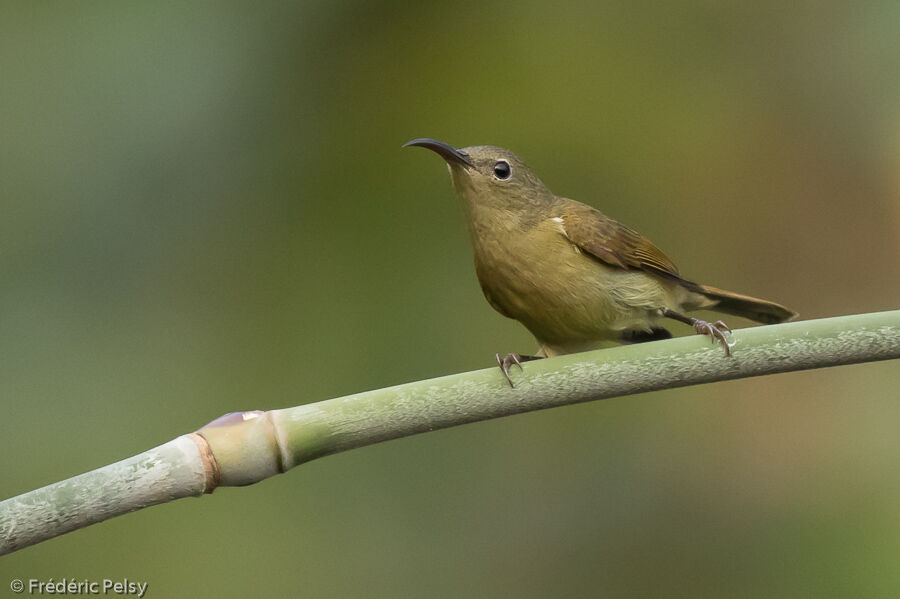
x=446, y=151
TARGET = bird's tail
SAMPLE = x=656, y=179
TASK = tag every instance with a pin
x=755, y=309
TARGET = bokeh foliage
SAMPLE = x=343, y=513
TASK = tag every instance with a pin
x=204, y=208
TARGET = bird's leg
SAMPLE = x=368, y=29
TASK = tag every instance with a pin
x=717, y=331
x=507, y=361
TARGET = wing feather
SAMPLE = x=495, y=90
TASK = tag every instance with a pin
x=612, y=242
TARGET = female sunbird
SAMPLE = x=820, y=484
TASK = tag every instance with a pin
x=576, y=278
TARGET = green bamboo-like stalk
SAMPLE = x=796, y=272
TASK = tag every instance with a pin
x=170, y=471
x=243, y=448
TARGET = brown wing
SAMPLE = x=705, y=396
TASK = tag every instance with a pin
x=612, y=242
x=617, y=245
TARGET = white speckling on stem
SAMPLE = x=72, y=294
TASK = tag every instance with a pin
x=177, y=469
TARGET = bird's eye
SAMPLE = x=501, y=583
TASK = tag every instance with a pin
x=501, y=170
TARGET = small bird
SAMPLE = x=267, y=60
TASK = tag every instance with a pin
x=576, y=278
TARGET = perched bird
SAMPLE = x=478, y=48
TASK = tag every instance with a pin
x=576, y=278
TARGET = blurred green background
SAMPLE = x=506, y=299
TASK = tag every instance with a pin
x=205, y=208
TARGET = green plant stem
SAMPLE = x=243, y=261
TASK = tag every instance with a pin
x=159, y=475
x=243, y=448
x=318, y=429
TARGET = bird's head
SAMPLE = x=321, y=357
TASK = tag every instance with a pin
x=489, y=176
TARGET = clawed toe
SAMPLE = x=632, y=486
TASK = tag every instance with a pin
x=717, y=331
x=506, y=362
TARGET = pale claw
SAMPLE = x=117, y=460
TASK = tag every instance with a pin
x=506, y=362
x=717, y=331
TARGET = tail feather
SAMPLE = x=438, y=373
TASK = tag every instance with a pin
x=755, y=309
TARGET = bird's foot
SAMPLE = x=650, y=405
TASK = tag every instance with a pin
x=507, y=362
x=717, y=331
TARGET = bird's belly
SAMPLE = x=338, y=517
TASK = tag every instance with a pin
x=570, y=301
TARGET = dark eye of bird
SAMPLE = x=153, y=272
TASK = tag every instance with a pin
x=501, y=170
